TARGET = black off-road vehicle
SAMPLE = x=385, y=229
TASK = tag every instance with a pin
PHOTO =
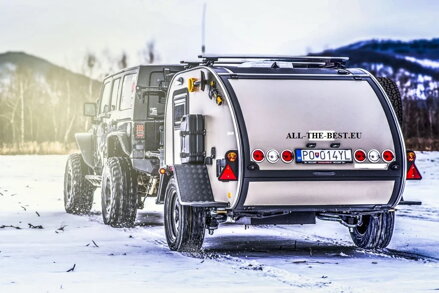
x=122, y=150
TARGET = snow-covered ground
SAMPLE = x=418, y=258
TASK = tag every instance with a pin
x=320, y=257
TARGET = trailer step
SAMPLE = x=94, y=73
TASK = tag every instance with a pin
x=95, y=180
x=410, y=203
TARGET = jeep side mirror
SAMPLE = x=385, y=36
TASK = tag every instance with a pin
x=90, y=109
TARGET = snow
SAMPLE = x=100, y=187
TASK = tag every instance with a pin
x=257, y=259
x=424, y=62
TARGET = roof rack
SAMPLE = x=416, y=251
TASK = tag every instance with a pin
x=308, y=61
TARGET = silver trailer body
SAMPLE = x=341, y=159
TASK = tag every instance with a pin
x=296, y=109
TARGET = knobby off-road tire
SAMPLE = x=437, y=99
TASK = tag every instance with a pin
x=375, y=232
x=119, y=193
x=78, y=192
x=394, y=95
x=184, y=225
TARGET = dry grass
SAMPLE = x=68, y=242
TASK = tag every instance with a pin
x=35, y=148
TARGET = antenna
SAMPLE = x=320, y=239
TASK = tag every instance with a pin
x=203, y=29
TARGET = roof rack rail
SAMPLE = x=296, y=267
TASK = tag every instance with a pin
x=317, y=61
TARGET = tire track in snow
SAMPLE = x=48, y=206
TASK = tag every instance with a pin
x=386, y=252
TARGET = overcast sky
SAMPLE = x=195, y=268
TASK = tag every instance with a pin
x=63, y=30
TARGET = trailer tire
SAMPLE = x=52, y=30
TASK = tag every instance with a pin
x=375, y=232
x=184, y=225
x=394, y=95
x=78, y=192
x=119, y=193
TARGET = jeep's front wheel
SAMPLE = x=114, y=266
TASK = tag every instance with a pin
x=78, y=192
x=119, y=193
x=184, y=225
x=375, y=231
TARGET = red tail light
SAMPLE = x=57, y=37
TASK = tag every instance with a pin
x=258, y=156
x=412, y=171
x=140, y=131
x=388, y=156
x=360, y=156
x=287, y=156
x=227, y=168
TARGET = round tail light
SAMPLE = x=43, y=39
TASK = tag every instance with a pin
x=258, y=155
x=272, y=156
x=287, y=156
x=388, y=156
x=374, y=156
x=360, y=156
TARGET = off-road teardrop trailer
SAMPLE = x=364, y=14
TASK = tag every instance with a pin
x=273, y=140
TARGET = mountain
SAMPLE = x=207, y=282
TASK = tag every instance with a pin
x=420, y=57
x=414, y=66
x=41, y=101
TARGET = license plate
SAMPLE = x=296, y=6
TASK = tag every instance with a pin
x=323, y=156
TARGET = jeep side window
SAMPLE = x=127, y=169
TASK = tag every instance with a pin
x=105, y=100
x=128, y=90
x=115, y=93
x=180, y=108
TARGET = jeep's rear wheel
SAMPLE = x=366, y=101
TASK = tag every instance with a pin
x=119, y=193
x=394, y=95
x=78, y=192
x=375, y=232
x=184, y=225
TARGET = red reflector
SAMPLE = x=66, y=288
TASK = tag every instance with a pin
x=413, y=173
x=287, y=156
x=228, y=174
x=360, y=156
x=388, y=156
x=258, y=155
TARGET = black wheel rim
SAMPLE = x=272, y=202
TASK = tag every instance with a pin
x=175, y=217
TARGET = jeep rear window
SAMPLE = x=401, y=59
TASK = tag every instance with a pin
x=155, y=108
x=106, y=94
x=128, y=90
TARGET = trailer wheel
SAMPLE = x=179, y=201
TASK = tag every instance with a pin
x=78, y=192
x=375, y=232
x=184, y=225
x=394, y=95
x=119, y=193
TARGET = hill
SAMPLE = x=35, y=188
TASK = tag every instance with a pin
x=41, y=101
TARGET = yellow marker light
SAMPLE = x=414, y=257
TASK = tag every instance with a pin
x=232, y=156
x=411, y=156
x=219, y=100
x=162, y=171
x=212, y=83
x=229, y=195
x=191, y=84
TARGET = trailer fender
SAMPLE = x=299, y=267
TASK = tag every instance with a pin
x=86, y=144
x=194, y=187
x=118, y=144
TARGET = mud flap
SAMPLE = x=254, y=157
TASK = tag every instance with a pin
x=194, y=186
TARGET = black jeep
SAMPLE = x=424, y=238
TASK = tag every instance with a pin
x=122, y=150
